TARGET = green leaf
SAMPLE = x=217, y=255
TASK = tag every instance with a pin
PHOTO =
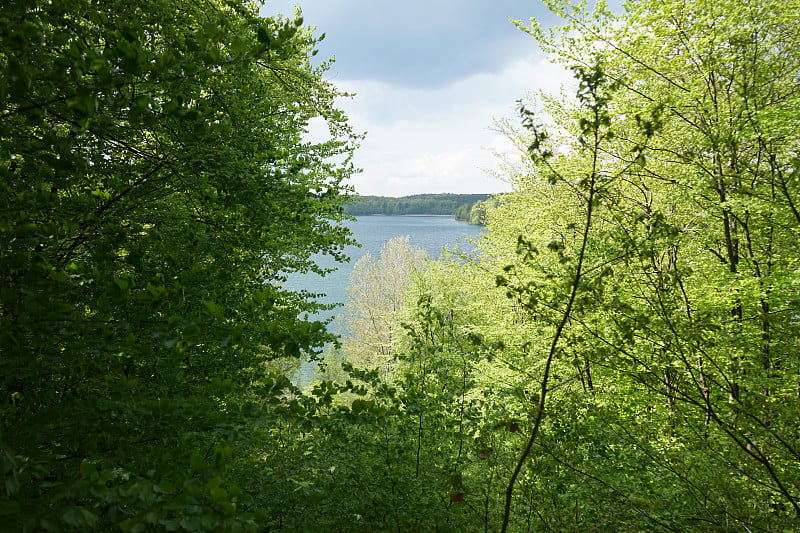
x=214, y=309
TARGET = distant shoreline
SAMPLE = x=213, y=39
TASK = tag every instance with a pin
x=470, y=208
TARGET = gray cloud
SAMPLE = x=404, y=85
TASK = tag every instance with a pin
x=430, y=77
x=418, y=43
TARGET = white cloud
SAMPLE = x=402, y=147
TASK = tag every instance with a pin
x=431, y=77
x=417, y=43
x=436, y=140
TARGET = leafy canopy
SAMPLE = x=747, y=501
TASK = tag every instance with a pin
x=155, y=186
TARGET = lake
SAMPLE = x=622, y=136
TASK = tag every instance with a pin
x=431, y=233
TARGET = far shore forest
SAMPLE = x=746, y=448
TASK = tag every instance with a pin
x=620, y=353
x=470, y=208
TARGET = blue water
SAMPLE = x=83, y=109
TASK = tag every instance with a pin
x=431, y=233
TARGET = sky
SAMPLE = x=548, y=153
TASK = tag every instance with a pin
x=430, y=77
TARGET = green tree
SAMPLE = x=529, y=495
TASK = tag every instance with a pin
x=715, y=329
x=156, y=184
x=650, y=348
x=418, y=204
x=692, y=256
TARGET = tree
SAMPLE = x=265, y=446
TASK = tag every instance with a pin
x=156, y=185
x=692, y=253
x=375, y=298
x=719, y=248
x=650, y=348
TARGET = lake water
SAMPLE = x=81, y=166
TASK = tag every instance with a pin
x=431, y=233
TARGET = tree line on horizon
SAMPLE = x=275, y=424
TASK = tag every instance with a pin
x=450, y=204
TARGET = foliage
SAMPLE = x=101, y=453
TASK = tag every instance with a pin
x=642, y=340
x=375, y=301
x=649, y=256
x=475, y=213
x=620, y=353
x=155, y=186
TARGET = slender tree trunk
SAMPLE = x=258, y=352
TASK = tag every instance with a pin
x=730, y=232
x=588, y=369
x=575, y=284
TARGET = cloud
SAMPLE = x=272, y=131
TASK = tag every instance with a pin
x=431, y=77
x=417, y=43
x=439, y=140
